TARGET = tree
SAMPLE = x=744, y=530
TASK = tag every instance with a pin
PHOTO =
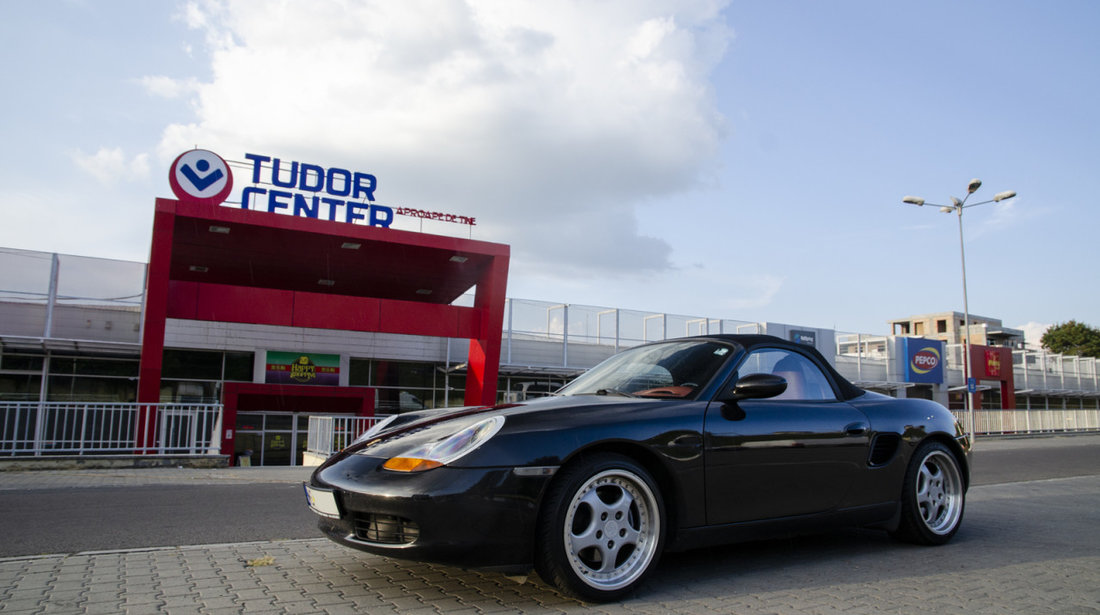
x=1072, y=337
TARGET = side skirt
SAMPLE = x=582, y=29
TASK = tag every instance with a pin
x=876, y=515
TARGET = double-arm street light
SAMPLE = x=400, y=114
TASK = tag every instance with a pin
x=957, y=207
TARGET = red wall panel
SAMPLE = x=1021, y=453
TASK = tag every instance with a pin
x=319, y=311
x=262, y=306
x=183, y=299
x=420, y=318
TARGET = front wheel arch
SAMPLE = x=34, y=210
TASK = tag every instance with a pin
x=658, y=469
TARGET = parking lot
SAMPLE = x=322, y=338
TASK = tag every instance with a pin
x=1025, y=547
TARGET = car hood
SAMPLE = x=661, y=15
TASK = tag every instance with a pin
x=421, y=419
x=411, y=428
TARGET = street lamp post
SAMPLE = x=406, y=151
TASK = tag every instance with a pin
x=957, y=207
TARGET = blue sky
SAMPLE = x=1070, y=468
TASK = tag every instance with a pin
x=743, y=160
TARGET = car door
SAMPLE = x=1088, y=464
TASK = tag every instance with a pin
x=794, y=454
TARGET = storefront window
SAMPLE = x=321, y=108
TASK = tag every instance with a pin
x=239, y=366
x=359, y=372
x=919, y=392
x=107, y=390
x=184, y=392
x=402, y=374
x=21, y=362
x=20, y=387
x=956, y=400
x=392, y=401
x=450, y=399
x=991, y=400
x=86, y=366
x=196, y=364
x=279, y=422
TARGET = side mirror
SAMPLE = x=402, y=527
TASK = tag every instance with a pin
x=756, y=386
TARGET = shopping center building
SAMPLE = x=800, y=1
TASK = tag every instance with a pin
x=268, y=319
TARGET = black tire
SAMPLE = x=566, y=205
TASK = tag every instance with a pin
x=933, y=496
x=602, y=528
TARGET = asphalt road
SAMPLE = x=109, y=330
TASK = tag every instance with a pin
x=70, y=520
x=40, y=519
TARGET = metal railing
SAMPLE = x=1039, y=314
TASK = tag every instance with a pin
x=89, y=428
x=1031, y=422
x=331, y=434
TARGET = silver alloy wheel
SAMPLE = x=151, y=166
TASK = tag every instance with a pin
x=939, y=494
x=611, y=529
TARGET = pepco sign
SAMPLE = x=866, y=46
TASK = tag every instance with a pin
x=923, y=360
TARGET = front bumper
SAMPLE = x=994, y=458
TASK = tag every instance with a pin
x=467, y=517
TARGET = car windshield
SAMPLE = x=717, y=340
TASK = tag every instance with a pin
x=675, y=370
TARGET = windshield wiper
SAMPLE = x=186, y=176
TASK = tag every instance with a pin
x=615, y=392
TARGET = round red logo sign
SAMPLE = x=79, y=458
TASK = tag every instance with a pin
x=201, y=176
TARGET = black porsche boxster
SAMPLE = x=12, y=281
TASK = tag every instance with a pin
x=671, y=445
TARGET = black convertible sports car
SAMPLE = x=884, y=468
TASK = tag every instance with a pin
x=670, y=445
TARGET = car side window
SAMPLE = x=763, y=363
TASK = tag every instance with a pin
x=805, y=381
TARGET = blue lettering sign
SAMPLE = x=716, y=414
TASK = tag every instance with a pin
x=257, y=164
x=338, y=184
x=304, y=181
x=332, y=205
x=345, y=182
x=275, y=174
x=364, y=185
x=353, y=212
x=246, y=196
x=380, y=215
x=301, y=208
x=273, y=202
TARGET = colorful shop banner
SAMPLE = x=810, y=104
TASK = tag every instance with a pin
x=992, y=362
x=924, y=360
x=302, y=368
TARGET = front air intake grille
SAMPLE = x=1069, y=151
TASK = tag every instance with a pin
x=385, y=529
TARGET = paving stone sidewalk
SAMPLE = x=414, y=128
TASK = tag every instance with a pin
x=1024, y=548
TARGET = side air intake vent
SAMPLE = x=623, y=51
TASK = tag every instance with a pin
x=883, y=449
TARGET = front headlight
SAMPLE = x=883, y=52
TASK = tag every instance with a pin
x=448, y=449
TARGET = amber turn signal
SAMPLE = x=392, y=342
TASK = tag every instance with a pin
x=410, y=464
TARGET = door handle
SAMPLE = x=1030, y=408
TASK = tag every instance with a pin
x=856, y=429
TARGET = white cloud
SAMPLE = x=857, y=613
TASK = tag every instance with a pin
x=549, y=122
x=1033, y=332
x=167, y=87
x=110, y=166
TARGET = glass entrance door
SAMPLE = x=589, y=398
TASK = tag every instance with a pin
x=270, y=438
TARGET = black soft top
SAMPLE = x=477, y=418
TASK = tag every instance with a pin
x=751, y=342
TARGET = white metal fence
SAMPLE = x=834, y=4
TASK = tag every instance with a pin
x=331, y=434
x=1031, y=422
x=88, y=428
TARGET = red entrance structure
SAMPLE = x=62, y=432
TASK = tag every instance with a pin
x=217, y=263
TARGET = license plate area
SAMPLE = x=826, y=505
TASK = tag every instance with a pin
x=322, y=501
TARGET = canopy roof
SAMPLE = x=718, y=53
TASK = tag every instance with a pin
x=223, y=245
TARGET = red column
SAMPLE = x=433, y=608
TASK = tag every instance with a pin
x=483, y=363
x=156, y=314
